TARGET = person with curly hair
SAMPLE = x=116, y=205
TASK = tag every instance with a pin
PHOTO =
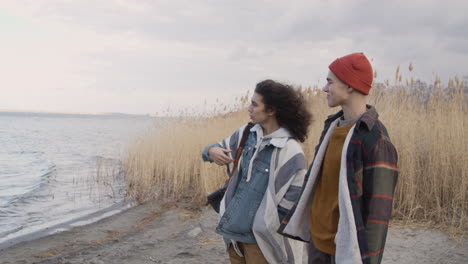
x=269, y=177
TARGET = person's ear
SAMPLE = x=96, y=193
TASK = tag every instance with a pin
x=271, y=112
x=350, y=89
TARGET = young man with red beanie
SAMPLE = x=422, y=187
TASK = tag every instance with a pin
x=346, y=200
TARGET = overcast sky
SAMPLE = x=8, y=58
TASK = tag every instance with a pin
x=137, y=56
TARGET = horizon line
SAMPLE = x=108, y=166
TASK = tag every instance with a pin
x=72, y=113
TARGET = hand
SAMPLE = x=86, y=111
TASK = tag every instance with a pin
x=219, y=155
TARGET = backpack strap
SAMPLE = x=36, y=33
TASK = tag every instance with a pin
x=245, y=135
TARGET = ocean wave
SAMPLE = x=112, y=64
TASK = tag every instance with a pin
x=23, y=174
x=49, y=169
x=7, y=230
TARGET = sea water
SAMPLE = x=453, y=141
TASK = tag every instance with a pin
x=57, y=168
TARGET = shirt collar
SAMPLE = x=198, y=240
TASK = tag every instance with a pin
x=278, y=138
x=368, y=119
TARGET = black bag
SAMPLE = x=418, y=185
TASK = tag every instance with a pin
x=214, y=198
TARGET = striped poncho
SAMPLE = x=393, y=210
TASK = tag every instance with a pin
x=287, y=171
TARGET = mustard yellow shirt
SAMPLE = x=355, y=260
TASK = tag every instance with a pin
x=324, y=211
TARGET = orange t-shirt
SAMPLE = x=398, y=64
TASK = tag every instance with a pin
x=324, y=213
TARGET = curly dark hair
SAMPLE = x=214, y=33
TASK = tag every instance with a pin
x=290, y=107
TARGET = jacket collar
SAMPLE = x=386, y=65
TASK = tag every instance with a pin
x=277, y=138
x=367, y=119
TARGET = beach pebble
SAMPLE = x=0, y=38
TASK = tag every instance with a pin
x=195, y=232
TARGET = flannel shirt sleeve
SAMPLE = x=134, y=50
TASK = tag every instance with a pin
x=380, y=177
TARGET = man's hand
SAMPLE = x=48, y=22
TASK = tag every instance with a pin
x=219, y=155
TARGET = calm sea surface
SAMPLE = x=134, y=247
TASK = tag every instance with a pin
x=57, y=168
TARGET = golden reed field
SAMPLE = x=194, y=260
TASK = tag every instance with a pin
x=428, y=126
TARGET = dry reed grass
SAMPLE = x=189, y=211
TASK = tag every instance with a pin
x=428, y=127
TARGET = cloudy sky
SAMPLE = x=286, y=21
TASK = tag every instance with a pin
x=144, y=56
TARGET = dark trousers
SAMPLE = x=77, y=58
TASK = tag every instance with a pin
x=318, y=257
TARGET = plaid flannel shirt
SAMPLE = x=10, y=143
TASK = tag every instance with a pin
x=372, y=174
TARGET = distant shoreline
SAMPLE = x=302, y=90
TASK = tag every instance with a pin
x=71, y=114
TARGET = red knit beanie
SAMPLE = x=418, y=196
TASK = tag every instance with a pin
x=355, y=70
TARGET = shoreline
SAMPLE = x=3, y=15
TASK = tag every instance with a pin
x=83, y=220
x=184, y=233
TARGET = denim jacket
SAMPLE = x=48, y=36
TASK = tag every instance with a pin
x=236, y=223
x=285, y=170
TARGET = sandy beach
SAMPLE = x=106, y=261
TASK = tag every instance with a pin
x=183, y=233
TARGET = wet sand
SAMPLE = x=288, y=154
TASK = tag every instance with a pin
x=183, y=233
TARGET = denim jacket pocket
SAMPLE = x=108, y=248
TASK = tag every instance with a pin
x=261, y=171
